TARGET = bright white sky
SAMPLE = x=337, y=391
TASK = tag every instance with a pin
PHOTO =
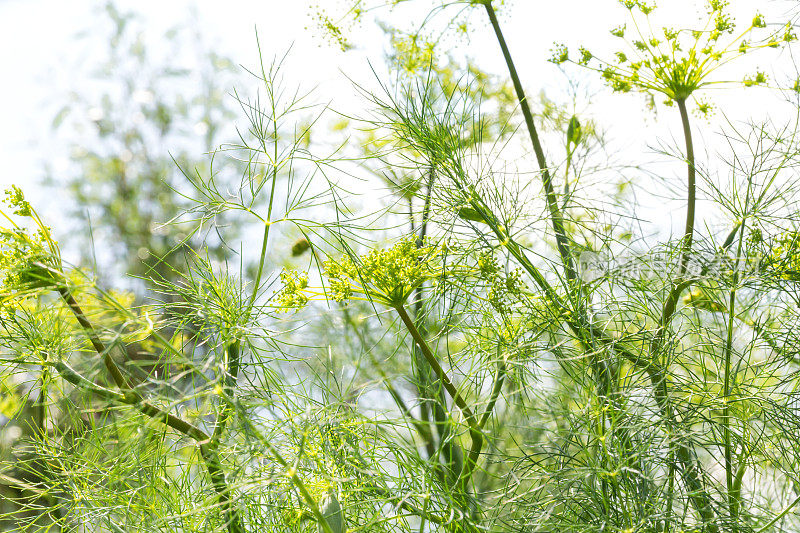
x=37, y=44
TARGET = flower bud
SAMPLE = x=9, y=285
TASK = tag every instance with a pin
x=300, y=246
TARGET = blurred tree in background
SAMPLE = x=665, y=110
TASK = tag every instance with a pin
x=147, y=115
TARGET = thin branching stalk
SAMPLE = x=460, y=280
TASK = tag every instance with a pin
x=779, y=516
x=684, y=452
x=233, y=350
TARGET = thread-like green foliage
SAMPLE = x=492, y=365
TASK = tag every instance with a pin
x=475, y=351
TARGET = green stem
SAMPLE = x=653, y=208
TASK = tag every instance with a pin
x=682, y=447
x=474, y=430
x=431, y=400
x=497, y=386
x=586, y=332
x=233, y=350
x=688, y=232
x=733, y=499
x=670, y=493
x=206, y=446
x=684, y=452
x=547, y=180
x=781, y=515
x=691, y=471
x=262, y=255
x=422, y=427
x=437, y=368
x=671, y=302
x=229, y=386
x=566, y=177
x=40, y=412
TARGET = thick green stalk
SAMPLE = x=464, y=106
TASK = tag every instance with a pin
x=206, y=446
x=469, y=417
x=733, y=496
x=547, y=180
x=556, y=215
x=684, y=452
x=688, y=232
x=681, y=284
x=690, y=470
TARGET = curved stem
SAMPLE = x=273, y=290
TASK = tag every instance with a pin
x=779, y=516
x=682, y=284
x=474, y=430
x=547, y=180
x=690, y=469
x=497, y=387
x=129, y=396
x=688, y=232
x=432, y=399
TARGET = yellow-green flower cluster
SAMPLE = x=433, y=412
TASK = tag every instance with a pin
x=332, y=30
x=487, y=264
x=25, y=262
x=411, y=53
x=759, y=78
x=784, y=257
x=16, y=201
x=502, y=289
x=388, y=276
x=292, y=295
x=675, y=63
x=26, y=258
